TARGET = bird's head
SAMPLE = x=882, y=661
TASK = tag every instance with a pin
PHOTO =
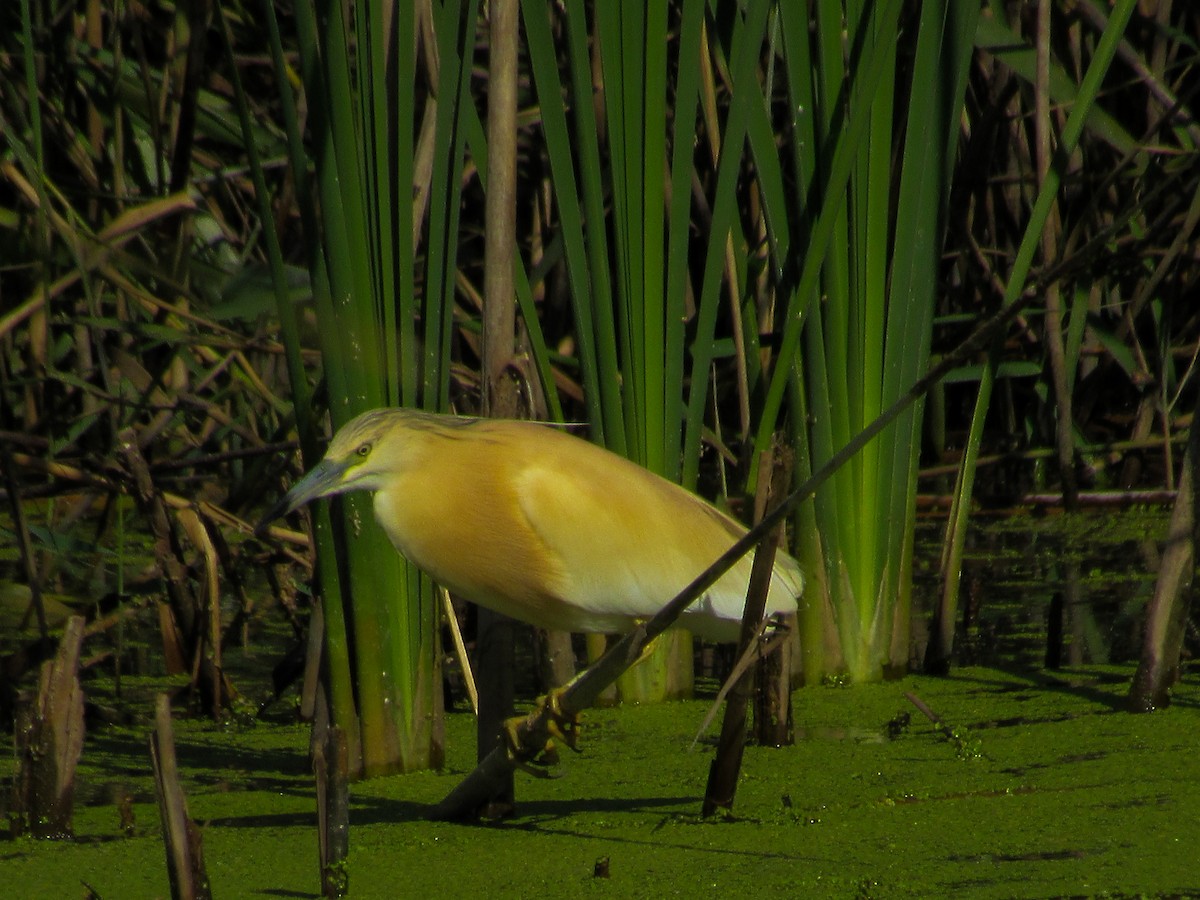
x=360, y=457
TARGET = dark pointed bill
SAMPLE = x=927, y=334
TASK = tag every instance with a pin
x=322, y=481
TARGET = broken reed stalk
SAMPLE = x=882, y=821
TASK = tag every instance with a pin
x=1167, y=613
x=330, y=765
x=582, y=691
x=182, y=839
x=727, y=763
x=773, y=722
x=772, y=671
x=49, y=741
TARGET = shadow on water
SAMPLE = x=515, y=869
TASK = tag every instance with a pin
x=1101, y=691
x=368, y=811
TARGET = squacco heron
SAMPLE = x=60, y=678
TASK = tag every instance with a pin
x=538, y=524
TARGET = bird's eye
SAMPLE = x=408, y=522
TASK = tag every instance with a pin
x=364, y=451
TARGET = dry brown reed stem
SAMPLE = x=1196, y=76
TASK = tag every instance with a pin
x=49, y=741
x=727, y=764
x=182, y=839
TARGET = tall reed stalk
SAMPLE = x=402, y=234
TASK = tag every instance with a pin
x=873, y=105
x=621, y=169
x=371, y=242
x=842, y=178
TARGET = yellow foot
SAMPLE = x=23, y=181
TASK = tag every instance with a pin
x=559, y=725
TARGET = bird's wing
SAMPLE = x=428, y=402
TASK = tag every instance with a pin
x=626, y=541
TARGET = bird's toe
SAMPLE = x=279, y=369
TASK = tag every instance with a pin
x=537, y=757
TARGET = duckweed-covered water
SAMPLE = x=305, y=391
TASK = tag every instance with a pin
x=1046, y=789
x=1050, y=791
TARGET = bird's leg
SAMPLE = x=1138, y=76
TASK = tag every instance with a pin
x=559, y=726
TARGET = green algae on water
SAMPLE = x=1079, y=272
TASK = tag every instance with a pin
x=1067, y=795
